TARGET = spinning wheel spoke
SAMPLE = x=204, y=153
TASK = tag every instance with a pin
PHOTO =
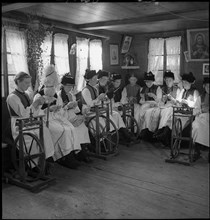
x=31, y=146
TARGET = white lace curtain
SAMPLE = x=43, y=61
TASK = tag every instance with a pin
x=95, y=55
x=16, y=54
x=173, y=56
x=82, y=62
x=61, y=54
x=16, y=46
x=155, y=58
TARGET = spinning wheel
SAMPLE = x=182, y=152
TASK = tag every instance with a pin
x=30, y=166
x=129, y=120
x=178, y=133
x=107, y=134
x=103, y=131
x=177, y=156
x=132, y=125
x=28, y=156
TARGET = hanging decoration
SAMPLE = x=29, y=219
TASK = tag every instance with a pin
x=36, y=32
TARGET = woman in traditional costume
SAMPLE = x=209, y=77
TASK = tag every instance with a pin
x=200, y=126
x=71, y=112
x=150, y=101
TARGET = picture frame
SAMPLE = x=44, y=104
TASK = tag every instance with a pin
x=206, y=69
x=126, y=43
x=114, y=54
x=198, y=44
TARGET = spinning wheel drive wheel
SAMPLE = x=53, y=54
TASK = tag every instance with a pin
x=178, y=133
x=107, y=134
x=33, y=157
x=132, y=125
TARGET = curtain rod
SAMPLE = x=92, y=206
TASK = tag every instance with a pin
x=60, y=27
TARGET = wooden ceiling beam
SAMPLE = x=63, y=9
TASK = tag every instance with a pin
x=146, y=19
x=16, y=6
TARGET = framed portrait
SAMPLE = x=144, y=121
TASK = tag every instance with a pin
x=206, y=69
x=126, y=43
x=114, y=54
x=198, y=44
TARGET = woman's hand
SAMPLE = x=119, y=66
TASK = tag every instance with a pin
x=39, y=101
x=54, y=108
x=72, y=104
x=152, y=95
x=101, y=97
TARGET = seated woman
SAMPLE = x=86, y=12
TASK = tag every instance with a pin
x=115, y=91
x=188, y=96
x=91, y=97
x=151, y=95
x=71, y=109
x=170, y=93
x=20, y=105
x=63, y=133
x=131, y=94
x=200, y=126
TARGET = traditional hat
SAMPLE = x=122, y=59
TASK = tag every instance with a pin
x=149, y=76
x=206, y=80
x=50, y=76
x=116, y=76
x=67, y=79
x=89, y=74
x=102, y=73
x=188, y=77
x=21, y=75
x=169, y=74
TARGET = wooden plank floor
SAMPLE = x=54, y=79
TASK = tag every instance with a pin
x=137, y=183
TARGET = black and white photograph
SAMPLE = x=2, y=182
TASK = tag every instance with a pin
x=105, y=110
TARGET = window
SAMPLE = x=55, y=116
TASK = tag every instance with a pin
x=82, y=61
x=61, y=54
x=164, y=54
x=92, y=61
x=95, y=55
x=16, y=55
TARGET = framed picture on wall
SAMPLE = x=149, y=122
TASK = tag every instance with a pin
x=114, y=54
x=206, y=69
x=198, y=44
x=126, y=43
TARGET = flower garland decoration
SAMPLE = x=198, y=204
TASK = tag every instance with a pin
x=35, y=35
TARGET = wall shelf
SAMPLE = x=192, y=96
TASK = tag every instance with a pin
x=130, y=67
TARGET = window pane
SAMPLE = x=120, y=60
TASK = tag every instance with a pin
x=11, y=83
x=95, y=55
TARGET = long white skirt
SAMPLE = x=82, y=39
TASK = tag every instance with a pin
x=81, y=135
x=63, y=134
x=200, y=129
x=148, y=117
x=166, y=117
